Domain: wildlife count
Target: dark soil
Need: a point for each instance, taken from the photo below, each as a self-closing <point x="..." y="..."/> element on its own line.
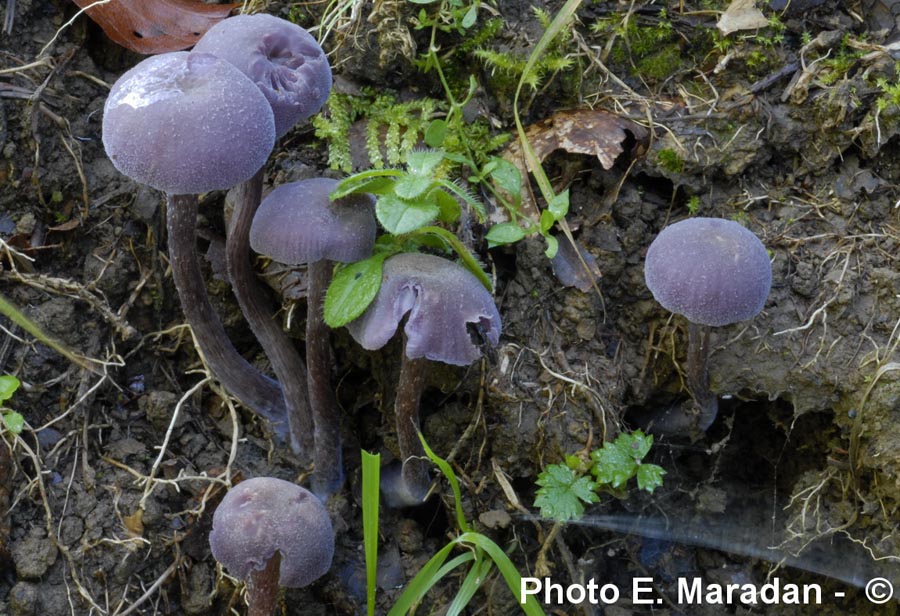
<point x="106" y="497"/>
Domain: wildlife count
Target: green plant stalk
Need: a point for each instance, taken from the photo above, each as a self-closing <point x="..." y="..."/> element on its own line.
<point x="371" y="471"/>
<point x="19" y="318"/>
<point x="459" y="248"/>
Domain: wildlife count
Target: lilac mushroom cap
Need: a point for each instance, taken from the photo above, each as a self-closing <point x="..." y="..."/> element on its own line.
<point x="187" y="123"/>
<point x="711" y="270"/>
<point x="263" y="515"/>
<point x="442" y="299"/>
<point x="281" y="58"/>
<point x="297" y="223"/>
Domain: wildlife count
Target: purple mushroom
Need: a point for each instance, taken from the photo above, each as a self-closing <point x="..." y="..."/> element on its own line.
<point x="292" y="72"/>
<point x="271" y="533"/>
<point x="713" y="272"/>
<point x="298" y="224"/>
<point x="187" y="123"/>
<point x="445" y="307"/>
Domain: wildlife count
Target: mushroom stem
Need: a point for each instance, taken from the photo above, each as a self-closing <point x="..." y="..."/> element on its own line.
<point x="286" y="361"/>
<point x="329" y="474"/>
<point x="262" y="588"/>
<point x="255" y="390"/>
<point x="411" y="486"/>
<point x="698" y="376"/>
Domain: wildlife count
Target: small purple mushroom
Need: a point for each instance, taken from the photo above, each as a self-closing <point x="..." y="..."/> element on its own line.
<point x="445" y="307"/>
<point x="298" y="224"/>
<point x="271" y="533"/>
<point x="187" y="123"/>
<point x="714" y="272"/>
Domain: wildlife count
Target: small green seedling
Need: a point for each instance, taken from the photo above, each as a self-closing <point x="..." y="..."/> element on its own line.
<point x="567" y="488"/>
<point x="12" y="421"/>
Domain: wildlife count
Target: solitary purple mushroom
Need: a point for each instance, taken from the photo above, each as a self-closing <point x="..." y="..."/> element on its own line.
<point x="714" y="272"/>
<point x="445" y="307"/>
<point x="271" y="533"/>
<point x="187" y="123"/>
<point x="292" y="72"/>
<point x="298" y="224"/>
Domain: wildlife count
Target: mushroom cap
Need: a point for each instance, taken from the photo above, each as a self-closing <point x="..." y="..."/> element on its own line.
<point x="281" y="58"/>
<point x="187" y="123"/>
<point x="297" y="223"/>
<point x="442" y="299"/>
<point x="261" y="515"/>
<point x="711" y="270"/>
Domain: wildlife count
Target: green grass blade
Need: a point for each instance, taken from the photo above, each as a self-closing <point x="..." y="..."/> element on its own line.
<point x="507" y="569"/>
<point x="474" y="579"/>
<point x="422" y="582"/>
<point x="459" y="248"/>
<point x="454" y="484"/>
<point x="371" y="471"/>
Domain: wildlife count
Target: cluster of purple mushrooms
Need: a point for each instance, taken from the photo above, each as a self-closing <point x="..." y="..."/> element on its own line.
<point x="191" y="122"/>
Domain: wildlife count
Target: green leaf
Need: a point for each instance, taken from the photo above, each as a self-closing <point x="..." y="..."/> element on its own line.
<point x="552" y="246"/>
<point x="423" y="1"/>
<point x="639" y="443"/>
<point x="399" y="216"/>
<point x="423" y="162"/>
<point x="563" y="493"/>
<point x="613" y="464"/>
<point x="469" y="19"/>
<point x="505" y="174"/>
<point x="8" y="386"/>
<point x="352" y="290"/>
<point x="504" y="233"/>
<point x="13" y="421"/>
<point x="649" y="477"/>
<point x="375" y="181"/>
<point x="547" y="221"/>
<point x="411" y="186"/>
<point x="435" y="133"/>
<point x="450" y="209"/>
<point x="559" y="204"/>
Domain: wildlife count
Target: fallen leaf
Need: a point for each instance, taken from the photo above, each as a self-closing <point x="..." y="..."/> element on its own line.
<point x="741" y="15"/>
<point x="155" y="26"/>
<point x="580" y="131"/>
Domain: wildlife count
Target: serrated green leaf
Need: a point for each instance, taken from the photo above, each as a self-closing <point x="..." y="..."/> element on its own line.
<point x="613" y="464"/>
<point x="352" y="290"/>
<point x="638" y="442"/>
<point x="399" y="216"/>
<point x="411" y="186"/>
<point x="8" y="386"/>
<point x="563" y="493"/>
<point x="423" y="162"/>
<point x="504" y="233"/>
<point x="13" y="421"/>
<point x="650" y="477"/>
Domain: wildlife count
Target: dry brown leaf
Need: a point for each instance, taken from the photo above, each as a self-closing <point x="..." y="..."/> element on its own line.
<point x="156" y="26"/>
<point x="741" y="15"/>
<point x="580" y="131"/>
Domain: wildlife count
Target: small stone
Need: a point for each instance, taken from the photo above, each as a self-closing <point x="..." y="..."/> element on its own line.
<point x="23" y="599"/>
<point x="33" y="556"/>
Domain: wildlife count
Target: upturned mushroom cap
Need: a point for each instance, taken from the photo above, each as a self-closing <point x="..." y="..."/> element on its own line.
<point x="263" y="515"/>
<point x="187" y="123"/>
<point x="281" y="58"/>
<point x="711" y="270"/>
<point x="442" y="299"/>
<point x="297" y="223"/>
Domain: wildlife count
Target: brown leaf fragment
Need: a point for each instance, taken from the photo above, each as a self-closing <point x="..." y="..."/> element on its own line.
<point x="579" y="131"/>
<point x="155" y="26"/>
<point x="741" y="15"/>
